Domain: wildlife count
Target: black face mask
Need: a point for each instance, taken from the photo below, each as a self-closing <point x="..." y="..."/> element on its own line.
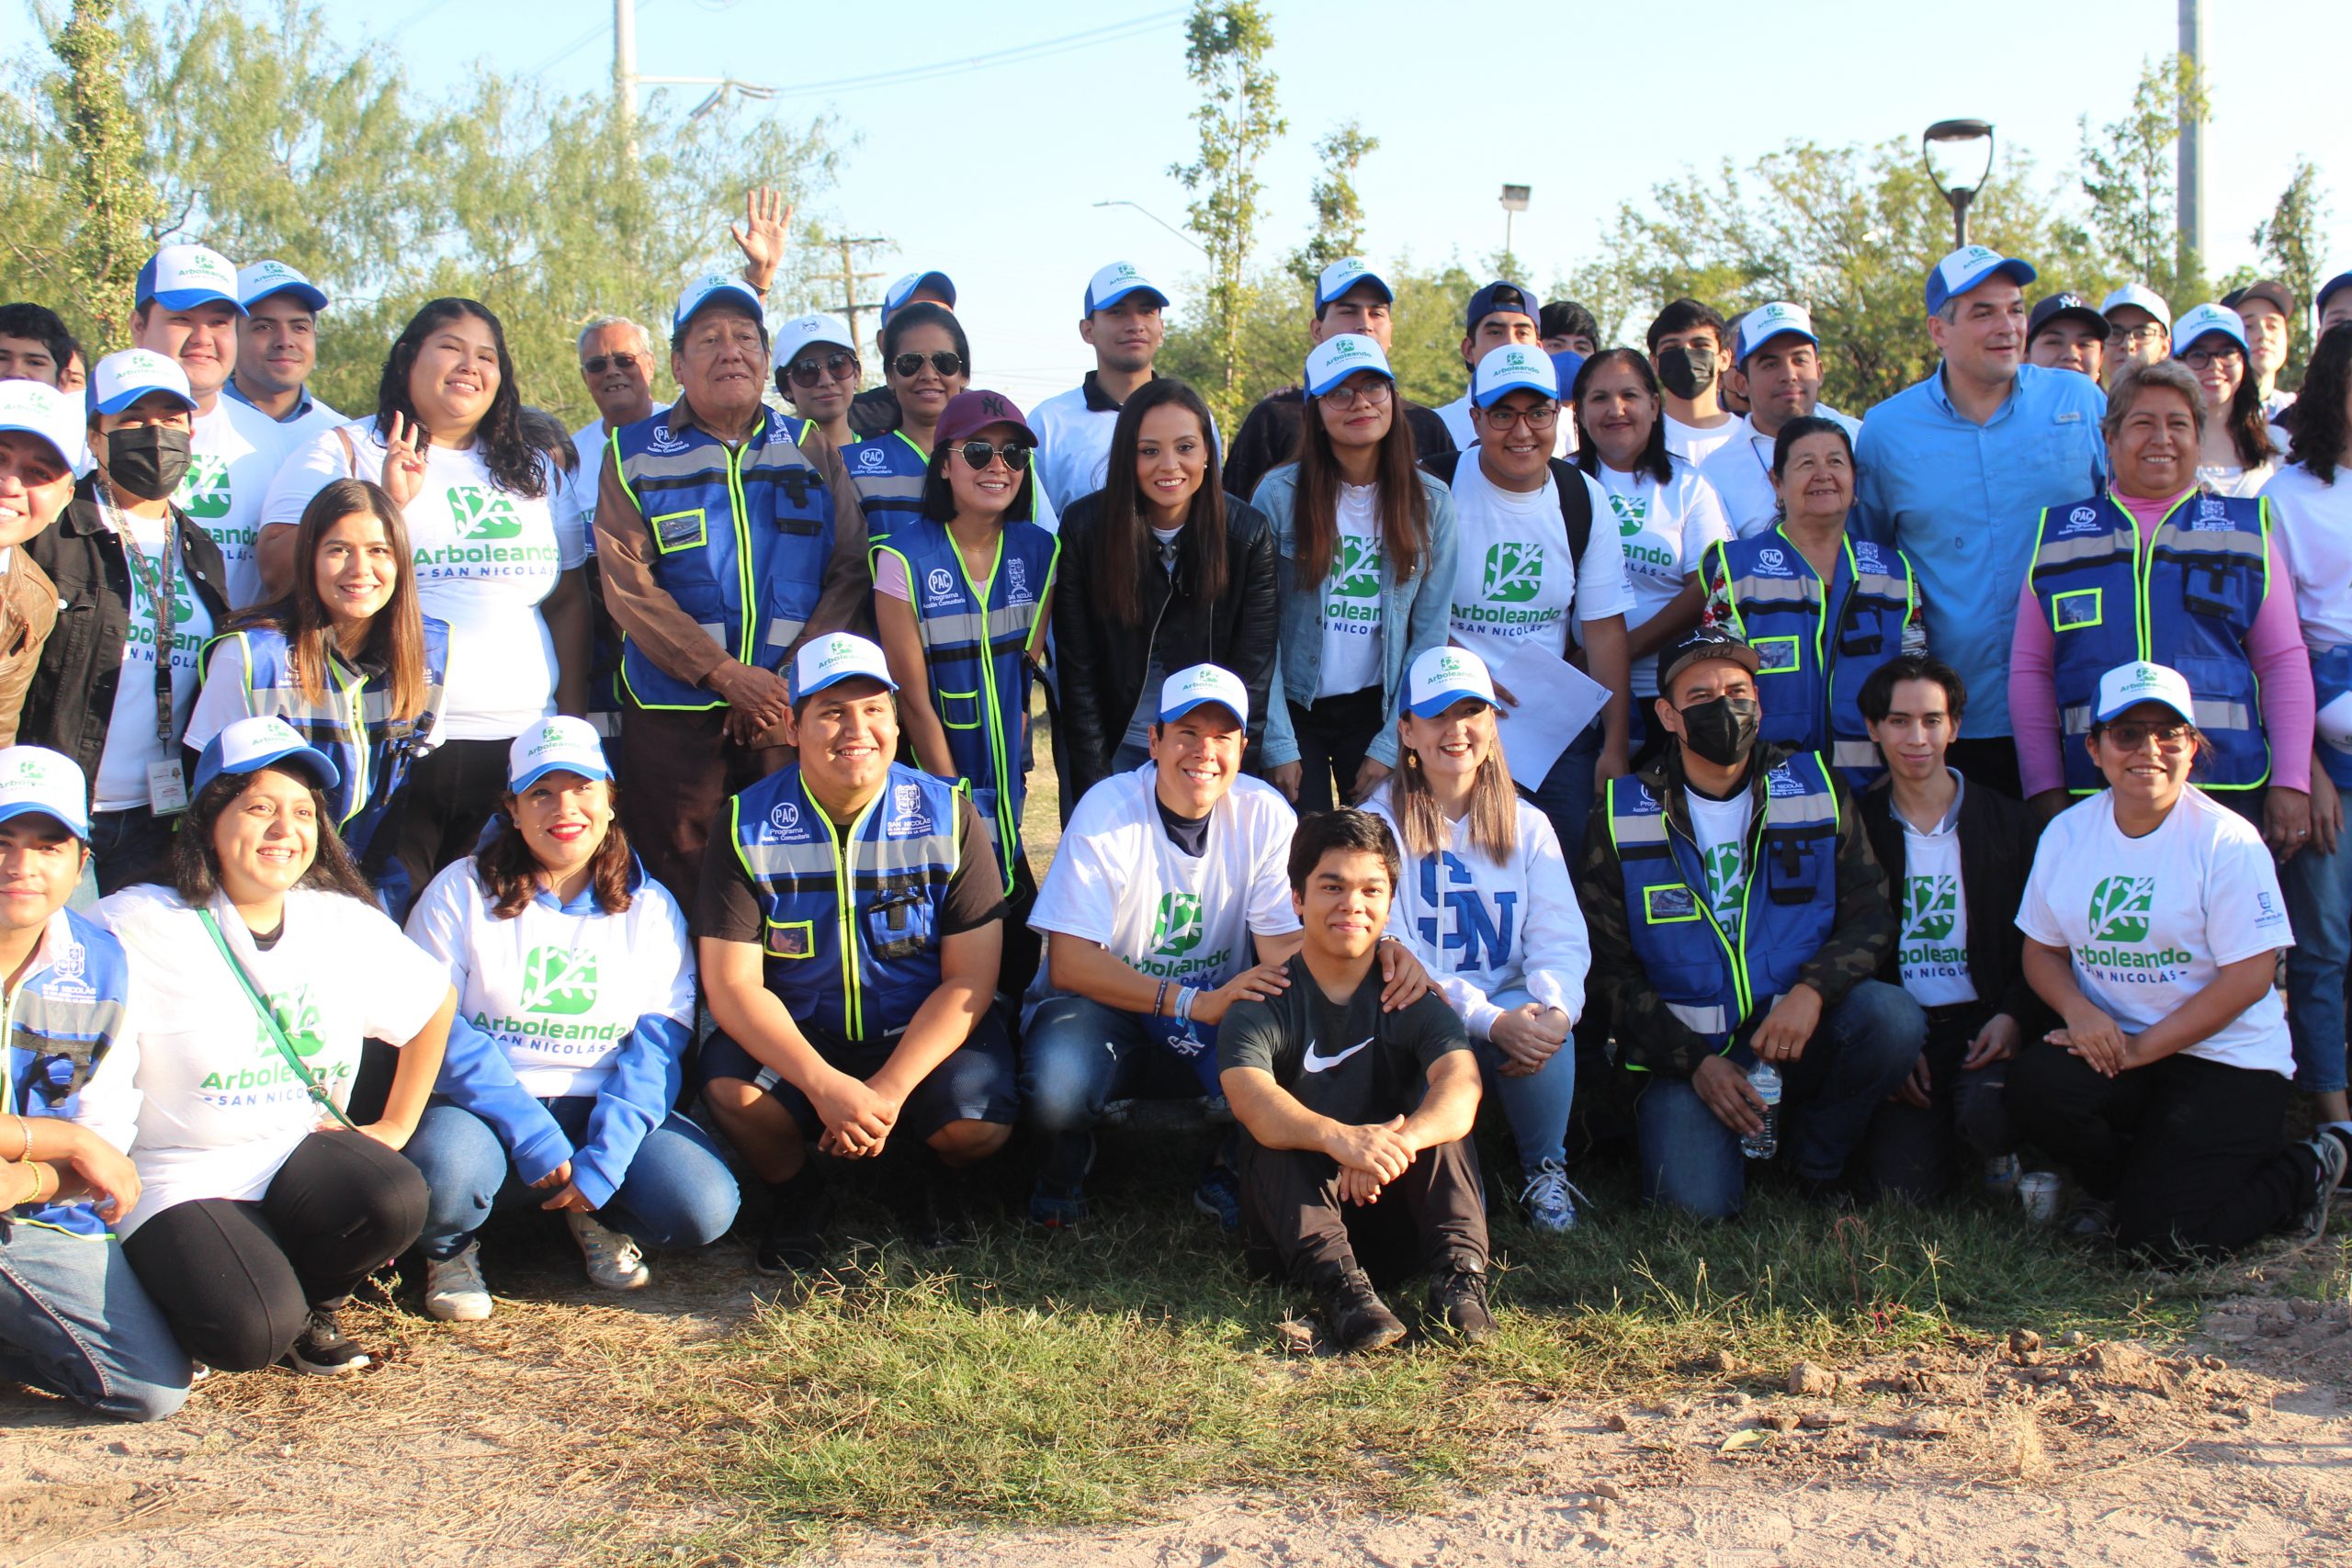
<point x="1722" y="730"/>
<point x="1687" y="372"/>
<point x="148" y="460"/>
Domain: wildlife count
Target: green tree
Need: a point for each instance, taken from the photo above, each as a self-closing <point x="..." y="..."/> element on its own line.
<point x="1226" y="46"/>
<point x="1338" y="210"/>
<point x="2293" y="240"/>
<point x="1266" y="351"/>
<point x="106" y="242"/>
<point x="2127" y="173"/>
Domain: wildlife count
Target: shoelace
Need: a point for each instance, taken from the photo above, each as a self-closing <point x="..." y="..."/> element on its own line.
<point x="1548" y="1179"/>
<point x="461" y="1275"/>
<point x="608" y="1247"/>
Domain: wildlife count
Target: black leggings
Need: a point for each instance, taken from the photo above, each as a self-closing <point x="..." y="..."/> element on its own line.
<point x="237" y="1281"/>
<point x="1333" y="738"/>
<point x="438" y="816"/>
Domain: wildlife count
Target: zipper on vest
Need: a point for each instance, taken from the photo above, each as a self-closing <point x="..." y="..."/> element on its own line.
<point x="356" y="699"/>
<point x="741" y="508"/>
<point x="1736" y="956"/>
<point x="846" y="904"/>
<point x="1007" y="828"/>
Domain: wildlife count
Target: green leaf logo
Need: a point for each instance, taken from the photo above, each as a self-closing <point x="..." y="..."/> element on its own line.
<point x="1176" y="929"/>
<point x="204" y="490"/>
<point x="2121" y="908"/>
<point x="298" y="1019"/>
<point x="1727" y="874"/>
<point x="1356" y="572"/>
<point x="554" y="981"/>
<point x="183" y="604"/>
<point x="1514" y="572"/>
<point x="1632" y="512"/>
<point x="482" y="514"/>
<point x="1932" y="908"/>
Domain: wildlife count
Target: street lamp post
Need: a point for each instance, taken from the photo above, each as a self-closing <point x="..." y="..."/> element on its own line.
<point x="1959" y="156"/>
<point x="1514" y="203"/>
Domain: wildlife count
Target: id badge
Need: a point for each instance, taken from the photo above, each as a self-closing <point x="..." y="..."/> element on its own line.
<point x="166" y="788"/>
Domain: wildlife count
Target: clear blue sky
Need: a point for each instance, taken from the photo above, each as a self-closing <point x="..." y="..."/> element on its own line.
<point x="990" y="172"/>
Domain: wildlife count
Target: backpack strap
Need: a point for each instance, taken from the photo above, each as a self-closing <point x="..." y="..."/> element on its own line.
<point x="1442" y="465"/>
<point x="1575" y="507"/>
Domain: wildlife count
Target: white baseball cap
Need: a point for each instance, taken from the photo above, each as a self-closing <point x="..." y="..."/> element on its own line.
<point x="1116" y="282"/>
<point x="124" y="376"/>
<point x="264" y="278"/>
<point x="2206" y="319"/>
<point x="895" y="297"/>
<point x="1335" y="359"/>
<point x="828" y="661"/>
<point x="557" y="745"/>
<point x="40" y="410"/>
<point x="1968" y="267"/>
<point x="179" y="276"/>
<point x="1777" y="318"/>
<point x="1513" y="367"/>
<point x="1345" y="274"/>
<point x="252" y="744"/>
<point x="1188" y="688"/>
<point x="2128" y="686"/>
<point x="1441" y="677"/>
<point x="714" y="285"/>
<point x="2139" y="294"/>
<point x="815" y="327"/>
<point x="36" y="779"/>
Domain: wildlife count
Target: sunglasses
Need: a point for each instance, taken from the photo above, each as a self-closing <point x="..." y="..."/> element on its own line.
<point x="596" y="365"/>
<point x="2170" y="735"/>
<point x="947" y="362"/>
<point x="979" y="454"/>
<point x="838" y="366"/>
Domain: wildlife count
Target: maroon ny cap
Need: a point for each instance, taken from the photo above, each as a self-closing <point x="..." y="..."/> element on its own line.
<point x="968" y="414"/>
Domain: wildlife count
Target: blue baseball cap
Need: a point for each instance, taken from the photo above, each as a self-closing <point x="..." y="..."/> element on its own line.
<point x="1116" y="282"/>
<point x="828" y="661"/>
<point x="1345" y="274"/>
<point x="124" y="376"/>
<point x="2126" y="686"/>
<point x="711" y="288"/>
<point x="38" y="409"/>
<point x="2342" y="280"/>
<point x="34" y="779"/>
<point x="1335" y="359"/>
<point x="1777" y="318"/>
<point x="252" y="744"/>
<point x="1501" y="297"/>
<point x="1513" y="367"/>
<point x="180" y="277"/>
<point x="895" y="297"/>
<point x="1202" y="684"/>
<point x="559" y="745"/>
<point x="2204" y="322"/>
<point x="264" y="278"/>
<point x="1967" y="267"/>
<point x="1442" y="676"/>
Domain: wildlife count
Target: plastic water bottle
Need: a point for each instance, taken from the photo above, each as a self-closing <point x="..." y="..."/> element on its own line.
<point x="1765" y="1079"/>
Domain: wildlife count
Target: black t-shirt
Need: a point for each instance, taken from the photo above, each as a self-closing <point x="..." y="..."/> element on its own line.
<point x="727" y="907"/>
<point x="1345" y="1060"/>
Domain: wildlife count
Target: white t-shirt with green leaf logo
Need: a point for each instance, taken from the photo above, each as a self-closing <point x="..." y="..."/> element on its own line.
<point x="1720" y="828"/>
<point x="1663" y="529"/>
<point x="1933" y="946"/>
<point x="234" y="452"/>
<point x="131" y="743"/>
<point x="2150" y="921"/>
<point x="485" y="558"/>
<point x="1351" y="596"/>
<point x="1513" y="579"/>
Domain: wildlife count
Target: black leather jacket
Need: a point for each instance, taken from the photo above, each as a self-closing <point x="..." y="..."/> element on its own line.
<point x="1102" y="662"/>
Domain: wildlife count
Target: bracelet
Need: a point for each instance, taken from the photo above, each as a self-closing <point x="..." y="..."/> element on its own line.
<point x="32" y="1194"/>
<point x="1160" y="999"/>
<point x="1185" y="995"/>
<point x="25" y="1126"/>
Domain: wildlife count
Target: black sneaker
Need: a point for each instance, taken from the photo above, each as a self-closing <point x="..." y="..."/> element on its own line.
<point x="1458" y="1299"/>
<point x="320" y="1349"/>
<point x="1358" y="1319"/>
<point x="794" y="1242"/>
<point x="2332" y="1156"/>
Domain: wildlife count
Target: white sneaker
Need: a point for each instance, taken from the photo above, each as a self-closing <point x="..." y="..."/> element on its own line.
<point x="614" y="1260"/>
<point x="453" y="1292"/>
<point x="1549" y="1200"/>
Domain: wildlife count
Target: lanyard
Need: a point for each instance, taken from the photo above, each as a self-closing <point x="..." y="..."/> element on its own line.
<point x="159" y="599"/>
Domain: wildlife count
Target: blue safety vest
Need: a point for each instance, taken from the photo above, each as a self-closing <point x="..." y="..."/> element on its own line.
<point x="2331" y="678"/>
<point x="977" y="639"/>
<point x="1713" y="981"/>
<point x="2188" y="601"/>
<point x="1817" y="644"/>
<point x="371" y="749"/>
<point x="860" y="965"/>
<point x="741" y="538"/>
<point x="887" y="473"/>
<point x="60" y="1021"/>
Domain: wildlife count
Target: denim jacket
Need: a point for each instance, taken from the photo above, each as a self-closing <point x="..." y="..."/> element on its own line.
<point x="1413" y="617"/>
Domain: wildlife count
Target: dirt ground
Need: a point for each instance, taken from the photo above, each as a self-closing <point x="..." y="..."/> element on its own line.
<point x="545" y="1435"/>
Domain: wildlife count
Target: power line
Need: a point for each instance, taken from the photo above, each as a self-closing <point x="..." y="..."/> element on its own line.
<point x="1117" y="33"/>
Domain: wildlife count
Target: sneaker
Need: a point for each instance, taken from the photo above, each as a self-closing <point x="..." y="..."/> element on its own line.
<point x="1458" y="1299"/>
<point x="453" y="1292"/>
<point x="1549" y="1200"/>
<point x="1219" y="1197"/>
<point x="615" y="1262"/>
<point x="1056" y="1207"/>
<point x="948" y="1214"/>
<point x="321" y="1350"/>
<point x="1358" y="1319"/>
<point x="799" y="1212"/>
<point x="2089" y="1220"/>
<point x="2333" y="1155"/>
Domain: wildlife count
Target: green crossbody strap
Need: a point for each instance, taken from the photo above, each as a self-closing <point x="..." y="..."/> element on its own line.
<point x="269" y="1024"/>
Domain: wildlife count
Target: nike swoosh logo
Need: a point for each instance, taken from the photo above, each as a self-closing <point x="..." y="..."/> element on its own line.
<point x="1316" y="1064"/>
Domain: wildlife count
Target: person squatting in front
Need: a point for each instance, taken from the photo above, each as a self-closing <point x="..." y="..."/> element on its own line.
<point x="850" y="930"/>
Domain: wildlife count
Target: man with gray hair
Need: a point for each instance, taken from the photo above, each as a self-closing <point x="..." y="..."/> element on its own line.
<point x="1956" y="471"/>
<point x="617" y="362"/>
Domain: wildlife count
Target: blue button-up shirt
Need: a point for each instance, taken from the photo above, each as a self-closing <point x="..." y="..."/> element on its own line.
<point x="1963" y="500"/>
<point x="303" y="401"/>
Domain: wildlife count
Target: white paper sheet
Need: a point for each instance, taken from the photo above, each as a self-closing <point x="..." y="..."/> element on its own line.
<point x="1554" y="702"/>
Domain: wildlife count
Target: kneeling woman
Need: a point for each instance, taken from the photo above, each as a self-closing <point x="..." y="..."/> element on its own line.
<point x="2154" y="922"/>
<point x="1486" y="906"/>
<point x="576" y="1005"/>
<point x="255" y="978"/>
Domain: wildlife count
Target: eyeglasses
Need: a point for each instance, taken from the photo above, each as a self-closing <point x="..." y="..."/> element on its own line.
<point x="979" y="454"/>
<point x="1372" y="395"/>
<point x="2133" y="337"/>
<point x="2201" y="358"/>
<point x="947" y="361"/>
<point x="1540" y="418"/>
<point x="2170" y="735"/>
<point x="595" y="365"/>
<point x="839" y="366"/>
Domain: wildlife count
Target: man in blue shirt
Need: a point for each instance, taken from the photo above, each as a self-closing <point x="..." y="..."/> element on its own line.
<point x="1955" y="473"/>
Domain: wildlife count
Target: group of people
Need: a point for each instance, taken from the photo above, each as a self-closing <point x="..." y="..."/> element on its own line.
<point x="409" y="816"/>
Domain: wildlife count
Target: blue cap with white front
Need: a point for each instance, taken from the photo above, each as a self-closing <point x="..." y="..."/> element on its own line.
<point x="718" y="288"/>
<point x="1188" y="688"/>
<point x="836" y="657"/>
<point x="34" y="779"/>
<point x="1116" y="282"/>
<point x="2126" y="686"/>
<point x="264" y="278"/>
<point x="1442" y="676"/>
<point x="1778" y="318"/>
<point x="121" y="379"/>
<point x="2328" y="290"/>
<point x="40" y="410"/>
<point x="1345" y="274"/>
<point x="1335" y="359"/>
<point x="899" y="294"/>
<point x="1968" y="267"/>
<point x="179" y="278"/>
<point x="2206" y="320"/>
<point x="557" y="745"/>
<point x="252" y="744"/>
<point x="1500" y="298"/>
<point x="1513" y="367"/>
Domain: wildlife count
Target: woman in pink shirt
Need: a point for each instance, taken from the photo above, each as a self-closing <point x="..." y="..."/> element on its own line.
<point x="2156" y="419"/>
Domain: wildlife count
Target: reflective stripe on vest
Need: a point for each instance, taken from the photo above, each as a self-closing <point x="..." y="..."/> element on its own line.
<point x="59" y="1024"/>
<point x="887" y="473"/>
<point x="2189" y="600"/>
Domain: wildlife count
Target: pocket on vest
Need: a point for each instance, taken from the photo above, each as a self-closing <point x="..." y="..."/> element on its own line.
<point x="960" y="710"/>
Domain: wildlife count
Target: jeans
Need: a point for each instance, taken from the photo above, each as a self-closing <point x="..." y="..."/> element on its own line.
<point x="2319" y="906"/>
<point x="1536" y="1104"/>
<point x="1296" y="1228"/>
<point x="1566" y="796"/>
<point x="678" y="1192"/>
<point x="1077" y="1057"/>
<point x="1861" y="1051"/>
<point x="1333" y="736"/>
<point x="74" y="1320"/>
<point x="130" y="847"/>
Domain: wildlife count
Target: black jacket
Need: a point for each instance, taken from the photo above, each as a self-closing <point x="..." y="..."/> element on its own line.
<point x="1997" y="841"/>
<point x="1268" y="439"/>
<point x="71" y="697"/>
<point x="1102" y="662"/>
<point x="875" y="411"/>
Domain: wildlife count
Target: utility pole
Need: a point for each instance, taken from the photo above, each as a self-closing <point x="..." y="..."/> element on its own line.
<point x="625" y="70"/>
<point x="2191" y="243"/>
<point x="849" y="277"/>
